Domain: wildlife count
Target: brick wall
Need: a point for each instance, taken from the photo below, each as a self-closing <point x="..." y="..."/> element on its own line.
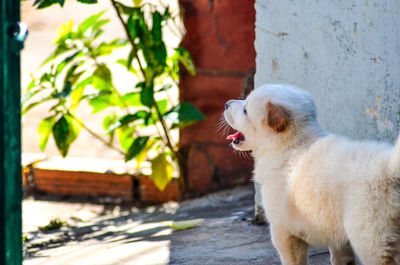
<point x="220" y="36"/>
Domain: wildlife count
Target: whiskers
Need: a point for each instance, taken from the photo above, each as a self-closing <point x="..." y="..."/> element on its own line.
<point x="242" y="154"/>
<point x="222" y="126"/>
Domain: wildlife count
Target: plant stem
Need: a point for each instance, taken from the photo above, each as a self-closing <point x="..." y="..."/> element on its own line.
<point x="95" y="134"/>
<point x="131" y="41"/>
<point x="162" y="121"/>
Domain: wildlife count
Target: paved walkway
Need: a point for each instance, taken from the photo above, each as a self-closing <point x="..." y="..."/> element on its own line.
<point x="111" y="235"/>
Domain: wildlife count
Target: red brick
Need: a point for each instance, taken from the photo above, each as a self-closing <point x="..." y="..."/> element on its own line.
<point x="200" y="171"/>
<point x="84" y="183"/>
<point x="234" y="167"/>
<point x="150" y="194"/>
<point x="220" y="34"/>
<point x="220" y="37"/>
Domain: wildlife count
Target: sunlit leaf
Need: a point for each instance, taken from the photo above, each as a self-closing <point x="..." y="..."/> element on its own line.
<point x="183" y="225"/>
<point x="29" y="95"/>
<point x="127" y="9"/>
<point x="65" y="92"/>
<point x="137" y="146"/>
<point x="44" y="131"/>
<point x="125" y="120"/>
<point x="65" y="62"/>
<point x="34" y="104"/>
<point x="137" y="2"/>
<point x="162" y="105"/>
<point x="186" y="60"/>
<point x="84" y="29"/>
<point x="103" y="101"/>
<point x="107" y="48"/>
<point x="78" y="92"/>
<point x="102" y="78"/>
<point x="125" y="136"/>
<point x="161" y="171"/>
<point x="143" y="154"/>
<point x="63" y="30"/>
<point x="184" y="114"/>
<point x="64" y="132"/>
<point x="61" y="48"/>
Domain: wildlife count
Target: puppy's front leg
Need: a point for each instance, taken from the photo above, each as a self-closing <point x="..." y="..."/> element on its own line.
<point x="342" y="256"/>
<point x="292" y="250"/>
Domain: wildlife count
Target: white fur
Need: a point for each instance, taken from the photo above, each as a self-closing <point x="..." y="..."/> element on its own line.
<point x="320" y="189"/>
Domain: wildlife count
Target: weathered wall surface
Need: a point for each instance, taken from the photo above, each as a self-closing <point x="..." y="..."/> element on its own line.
<point x="346" y="53"/>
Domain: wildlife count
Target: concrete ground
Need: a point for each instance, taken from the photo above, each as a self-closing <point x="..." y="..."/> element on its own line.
<point x="112" y="234"/>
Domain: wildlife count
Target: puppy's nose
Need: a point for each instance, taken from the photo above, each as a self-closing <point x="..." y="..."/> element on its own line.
<point x="227" y="104"/>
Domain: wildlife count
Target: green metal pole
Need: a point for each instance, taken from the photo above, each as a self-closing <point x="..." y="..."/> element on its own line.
<point x="10" y="135"/>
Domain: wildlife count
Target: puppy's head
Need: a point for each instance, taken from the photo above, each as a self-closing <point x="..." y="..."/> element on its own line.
<point x="270" y="113"/>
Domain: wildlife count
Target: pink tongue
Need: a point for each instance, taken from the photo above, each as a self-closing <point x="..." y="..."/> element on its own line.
<point x="234" y="136"/>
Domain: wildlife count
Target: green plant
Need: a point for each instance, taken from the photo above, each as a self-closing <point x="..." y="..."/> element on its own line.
<point x="52" y="225"/>
<point x="78" y="72"/>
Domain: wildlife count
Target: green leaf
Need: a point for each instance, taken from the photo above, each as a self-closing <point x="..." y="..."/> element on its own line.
<point x="34" y="104"/>
<point x="137" y="146"/>
<point x="99" y="24"/>
<point x="156" y="30"/>
<point x="34" y="82"/>
<point x="186" y="60"/>
<point x="143" y="154"/>
<point x="107" y="48"/>
<point x="78" y="92"/>
<point x="162" y="105"/>
<point x="85" y="28"/>
<point x="127" y="9"/>
<point x="44" y="131"/>
<point x="184" y="114"/>
<point x="137" y="2"/>
<point x="184" y="225"/>
<point x="131" y="99"/>
<point x="64" y="132"/>
<point x="146" y="94"/>
<point x="45" y="3"/>
<point x="61" y="48"/>
<point x="65" y="92"/>
<point x="125" y="136"/>
<point x="63" y="31"/>
<point x="161" y="171"/>
<point x="125" y="120"/>
<point x="102" y="78"/>
<point x="29" y="95"/>
<point x="103" y="101"/>
<point x="88" y="1"/>
<point x="109" y="121"/>
<point x="64" y="63"/>
<point x="130" y="60"/>
<point x="165" y="88"/>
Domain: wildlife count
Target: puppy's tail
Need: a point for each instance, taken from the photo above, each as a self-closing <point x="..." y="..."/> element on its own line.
<point x="395" y="158"/>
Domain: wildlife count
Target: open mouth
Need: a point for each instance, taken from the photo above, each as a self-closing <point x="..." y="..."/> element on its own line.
<point x="237" y="137"/>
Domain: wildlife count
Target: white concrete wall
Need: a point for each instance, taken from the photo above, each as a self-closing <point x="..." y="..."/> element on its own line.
<point x="345" y="52"/>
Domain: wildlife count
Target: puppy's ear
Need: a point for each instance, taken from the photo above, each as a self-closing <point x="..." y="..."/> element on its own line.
<point x="278" y="117"/>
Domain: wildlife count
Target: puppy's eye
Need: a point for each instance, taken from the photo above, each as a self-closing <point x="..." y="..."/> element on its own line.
<point x="245" y="111"/>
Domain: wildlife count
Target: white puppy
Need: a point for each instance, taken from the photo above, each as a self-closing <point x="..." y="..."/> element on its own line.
<point x="318" y="188"/>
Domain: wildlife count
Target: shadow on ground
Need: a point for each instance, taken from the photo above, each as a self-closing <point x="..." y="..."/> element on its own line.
<point x="226" y="236"/>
